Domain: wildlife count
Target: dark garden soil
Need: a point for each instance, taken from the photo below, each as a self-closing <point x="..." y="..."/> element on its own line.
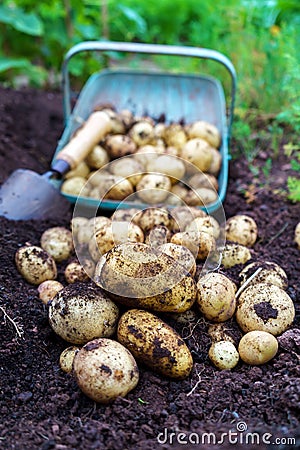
<point x="42" y="408"/>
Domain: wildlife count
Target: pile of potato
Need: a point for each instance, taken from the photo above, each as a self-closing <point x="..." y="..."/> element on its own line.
<point x="150" y="162"/>
<point x="145" y="262"/>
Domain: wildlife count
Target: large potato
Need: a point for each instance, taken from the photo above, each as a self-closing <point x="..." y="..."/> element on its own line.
<point x="35" y="264"/>
<point x="104" y="370"/>
<point x="241" y="229"/>
<point x="155" y="343"/>
<point x="138" y="275"/>
<point x="270" y="272"/>
<point x="216" y="297"/>
<point x="265" y="307"/>
<point x="81" y="312"/>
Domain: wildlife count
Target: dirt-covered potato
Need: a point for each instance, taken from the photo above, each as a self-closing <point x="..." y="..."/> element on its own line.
<point x="75" y="186"/>
<point x="183" y="215"/>
<point x="174" y="136"/>
<point x="116" y="188"/>
<point x="208" y="224"/>
<point x="257" y="347"/>
<point x="234" y="254"/>
<point x="220" y="332"/>
<point x="82" y="170"/>
<point x="35" y="264"/>
<point x="241" y="229"/>
<point x="158" y="236"/>
<point x="198" y="152"/>
<point x="155" y="343"/>
<point x="128" y="168"/>
<point x="216" y="297"/>
<point x="67" y="357"/>
<point x="118" y="145"/>
<point x="138" y="275"/>
<point x="186" y="318"/>
<point x="75" y="272"/>
<point x="297" y="235"/>
<point x="58" y="242"/>
<point x="153" y="188"/>
<point x="97" y="158"/>
<point x="206" y="131"/>
<point x="199" y="243"/>
<point x="168" y="165"/>
<point x="142" y="133"/>
<point x="265" y="307"/>
<point x="270" y="272"/>
<point x="81" y="312"/>
<point x="48" y="289"/>
<point x="125" y="215"/>
<point x="182" y="254"/>
<point x="152" y="217"/>
<point x="223" y="355"/>
<point x="203" y="180"/>
<point x="104" y="370"/>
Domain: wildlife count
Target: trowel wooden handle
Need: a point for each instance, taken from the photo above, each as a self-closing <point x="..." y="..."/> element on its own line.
<point x="94" y="129"/>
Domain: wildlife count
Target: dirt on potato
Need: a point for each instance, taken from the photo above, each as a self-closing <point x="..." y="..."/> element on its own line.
<point x="42" y="408"/>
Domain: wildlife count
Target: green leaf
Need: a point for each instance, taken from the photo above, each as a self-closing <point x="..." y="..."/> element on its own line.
<point x="295" y="165"/>
<point x="28" y="23"/>
<point x="13" y="63"/>
<point x="133" y="16"/>
<point x="293" y="184"/>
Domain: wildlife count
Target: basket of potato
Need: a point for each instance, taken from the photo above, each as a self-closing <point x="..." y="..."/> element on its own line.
<point x="168" y="136"/>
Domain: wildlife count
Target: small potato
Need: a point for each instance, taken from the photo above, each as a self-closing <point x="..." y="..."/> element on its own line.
<point x="182" y="254"/>
<point x="216" y="164"/>
<point x="35" y="264"/>
<point x="199" y="243"/>
<point x="265" y="307"/>
<point x="119" y="145"/>
<point x="206" y="131"/>
<point x="216" y="297"/>
<point x="270" y="273"/>
<point x="137" y="275"/>
<point x="203" y="180"/>
<point x="223" y="355"/>
<point x="153" y="188"/>
<point x="241" y="229"/>
<point x="126" y="117"/>
<point x="257" y="347"/>
<point x="198" y="152"/>
<point x="128" y="168"/>
<point x="82" y="170"/>
<point x="48" y="289"/>
<point x="168" y="165"/>
<point x="67" y="357"/>
<point x="82" y="312"/>
<point x="152" y="217"/>
<point x="58" y="242"/>
<point x="220" y="332"/>
<point x="75" y="272"/>
<point x="234" y="254"/>
<point x="201" y="197"/>
<point x="142" y="133"/>
<point x="75" y="186"/>
<point x="104" y="370"/>
<point x="175" y="136"/>
<point x="155" y="343"/>
<point x="97" y="158"/>
<point x="297" y="235"/>
<point x="207" y="224"/>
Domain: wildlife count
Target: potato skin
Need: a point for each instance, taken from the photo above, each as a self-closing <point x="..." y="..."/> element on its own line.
<point x="155" y="343"/>
<point x="241" y="229"/>
<point x="139" y="276"/>
<point x="257" y="347"/>
<point x="35" y="264"/>
<point x="104" y="370"/>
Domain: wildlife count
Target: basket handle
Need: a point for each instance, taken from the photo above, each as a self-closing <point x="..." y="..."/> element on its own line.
<point x="153" y="49"/>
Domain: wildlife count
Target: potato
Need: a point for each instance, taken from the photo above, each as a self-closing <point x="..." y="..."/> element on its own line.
<point x="203" y="180"/>
<point x="104" y="370"/>
<point x="297" y="235"/>
<point x="81" y="312"/>
<point x="270" y="273"/>
<point x="118" y="145"/>
<point x="265" y="307"/>
<point x="35" y="264"/>
<point x="75" y="186"/>
<point x="158" y="236"/>
<point x="125" y="215"/>
<point x="206" y="131"/>
<point x="159" y="130"/>
<point x="78" y="223"/>
<point x="234" y="254"/>
<point x="97" y="177"/>
<point x="116" y="121"/>
<point x="97" y="158"/>
<point x="241" y="229"/>
<point x="186" y="318"/>
<point x="183" y="215"/>
<point x="182" y="254"/>
<point x="216" y="297"/>
<point x="179" y="191"/>
<point x="208" y="224"/>
<point x="168" y="165"/>
<point x="152" y="217"/>
<point x="199" y="243"/>
<point x="58" y="242"/>
<point x="127" y="168"/>
<point x="257" y="347"/>
<point x="82" y="170"/>
<point x="116" y="188"/>
<point x="147" y="153"/>
<point x="198" y="152"/>
<point x="142" y="133"/>
<point x="126" y="117"/>
<point x="175" y="136"/>
<point x="223" y="355"/>
<point x="138" y="275"/>
<point x="201" y="197"/>
<point x="216" y="164"/>
<point x="75" y="272"/>
<point x="155" y="343"/>
<point x="48" y="289"/>
<point x="67" y="357"/>
<point x="220" y="332"/>
<point x="153" y="188"/>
